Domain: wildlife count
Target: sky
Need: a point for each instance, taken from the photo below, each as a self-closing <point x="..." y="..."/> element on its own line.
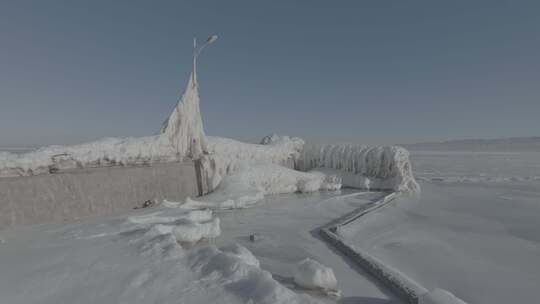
<point x="374" y="72"/>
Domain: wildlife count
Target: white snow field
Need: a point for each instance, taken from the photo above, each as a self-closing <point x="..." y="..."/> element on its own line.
<point x="134" y="259"/>
<point x="474" y="231"/>
<point x="285" y="229"/>
<point x="173" y="254"/>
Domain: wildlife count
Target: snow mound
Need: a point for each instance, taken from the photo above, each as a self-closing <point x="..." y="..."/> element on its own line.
<point x="188" y="231"/>
<point x="238" y="271"/>
<point x="439" y="296"/>
<point x="181" y="136"/>
<point x="184" y="224"/>
<point x="384" y="168"/>
<point x="313" y="275"/>
<point x="252" y="181"/>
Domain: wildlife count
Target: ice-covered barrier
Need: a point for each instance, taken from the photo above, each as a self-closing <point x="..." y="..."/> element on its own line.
<point x="439" y="296"/>
<point x="384" y="167"/>
<point x="228" y="155"/>
<point x="182" y="135"/>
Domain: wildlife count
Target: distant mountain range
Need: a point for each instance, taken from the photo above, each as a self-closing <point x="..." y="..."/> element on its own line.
<point x="513" y="144"/>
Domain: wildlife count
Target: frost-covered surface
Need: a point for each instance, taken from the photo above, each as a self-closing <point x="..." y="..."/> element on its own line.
<point x="402" y="285"/>
<point x="314" y="275"/>
<point x="138" y="258"/>
<point x="104" y="152"/>
<point x="239" y="270"/>
<point x="228" y="155"/>
<point x="363" y="167"/>
<point x="476" y="167"/>
<point x="286" y="227"/>
<point x="470" y="232"/>
<point x="181" y="136"/>
<point x="184" y="128"/>
<point x="439" y="296"/>
<point x="279" y="151"/>
<point x="251" y="181"/>
<point x="512" y="144"/>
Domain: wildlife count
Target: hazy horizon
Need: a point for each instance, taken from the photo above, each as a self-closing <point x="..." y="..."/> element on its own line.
<point x="368" y="72"/>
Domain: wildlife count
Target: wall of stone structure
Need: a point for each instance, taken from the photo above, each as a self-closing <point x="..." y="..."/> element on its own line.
<point x="72" y="194"/>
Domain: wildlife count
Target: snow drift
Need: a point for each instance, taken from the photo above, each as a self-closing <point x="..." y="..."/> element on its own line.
<point x="385" y="167"/>
<point x="184" y="224"/>
<point x="182" y="135"/>
<point x="239" y="272"/>
<point x="252" y="180"/>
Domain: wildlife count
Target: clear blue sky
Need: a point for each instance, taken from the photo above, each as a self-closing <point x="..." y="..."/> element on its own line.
<point x="363" y="71"/>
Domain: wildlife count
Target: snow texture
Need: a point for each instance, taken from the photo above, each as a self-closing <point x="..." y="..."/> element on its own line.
<point x="382" y="168"/>
<point x="252" y="180"/>
<point x="227" y="155"/>
<point x="476" y="238"/>
<point x="187" y="226"/>
<point x="184" y="127"/>
<point x="182" y="135"/>
<point x="239" y="271"/>
<point x="311" y="274"/>
<point x="402" y="285"/>
<point x="134" y="259"/>
<point x="439" y="296"/>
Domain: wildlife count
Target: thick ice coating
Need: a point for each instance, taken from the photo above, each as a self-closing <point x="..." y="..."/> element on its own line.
<point x="385" y="167"/>
<point x="228" y="155"/>
<point x="251" y="181"/>
<point x="182" y="135"/>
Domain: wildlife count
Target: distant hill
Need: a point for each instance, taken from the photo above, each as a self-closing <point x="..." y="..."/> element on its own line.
<point x="515" y="144"/>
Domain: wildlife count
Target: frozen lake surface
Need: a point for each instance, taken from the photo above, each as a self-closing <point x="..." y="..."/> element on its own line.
<point x="286" y="227"/>
<point x="475" y="231"/>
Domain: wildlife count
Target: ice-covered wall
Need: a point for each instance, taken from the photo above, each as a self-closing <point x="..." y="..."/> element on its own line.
<point x="227" y="155"/>
<point x="384" y="167"/>
<point x="182" y="135"/>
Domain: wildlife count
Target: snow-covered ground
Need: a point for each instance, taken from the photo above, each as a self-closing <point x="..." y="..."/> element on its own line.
<point x="286" y="226"/>
<point x="474" y="231"/>
<point x="146" y="256"/>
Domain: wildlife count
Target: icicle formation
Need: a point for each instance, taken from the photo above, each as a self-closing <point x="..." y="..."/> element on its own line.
<point x="184" y="127"/>
<point x="385" y="167"/>
<point x="182" y="135"/>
